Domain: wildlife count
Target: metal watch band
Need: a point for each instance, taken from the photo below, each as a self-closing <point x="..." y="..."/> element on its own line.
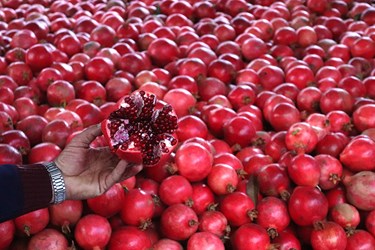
<point x="57" y="181"/>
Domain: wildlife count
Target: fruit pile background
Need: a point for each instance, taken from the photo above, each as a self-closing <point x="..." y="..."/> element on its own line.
<point x="275" y="105"/>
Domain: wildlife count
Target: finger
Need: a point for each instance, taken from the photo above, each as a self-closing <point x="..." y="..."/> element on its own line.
<point x="118" y="172"/>
<point x="131" y="171"/>
<point x="84" y="138"/>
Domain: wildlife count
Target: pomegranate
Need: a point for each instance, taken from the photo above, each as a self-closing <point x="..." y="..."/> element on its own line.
<point x="66" y="214"/>
<point x="360" y="239"/>
<point x="92" y="232"/>
<point x="358" y="154"/>
<point x="49" y="239"/>
<point x="141" y="129"/>
<point x="7" y="231"/>
<point x="32" y="222"/>
<point x="307" y="205"/>
<point x="108" y="203"/>
<point x="345" y="215"/>
<point x="360" y="190"/>
<point x="205" y="240"/>
<point x="328" y="235"/>
<point x="259" y="237"/>
<point x="129" y="237"/>
<point x="179" y="222"/>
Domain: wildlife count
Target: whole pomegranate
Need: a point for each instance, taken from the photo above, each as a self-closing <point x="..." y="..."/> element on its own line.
<point x="360" y="190"/>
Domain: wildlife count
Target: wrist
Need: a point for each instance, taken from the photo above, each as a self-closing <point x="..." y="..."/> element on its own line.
<point x="57" y="183"/>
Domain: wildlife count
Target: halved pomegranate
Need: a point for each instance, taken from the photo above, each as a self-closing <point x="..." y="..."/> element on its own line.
<point x="141" y="129"/>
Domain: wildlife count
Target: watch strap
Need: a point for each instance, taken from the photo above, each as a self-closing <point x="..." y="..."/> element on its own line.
<point x="57" y="181"/>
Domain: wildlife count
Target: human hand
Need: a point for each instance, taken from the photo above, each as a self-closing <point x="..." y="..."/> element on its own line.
<point x="89" y="172"/>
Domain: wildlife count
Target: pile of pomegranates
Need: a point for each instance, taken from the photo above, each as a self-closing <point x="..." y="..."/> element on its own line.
<point x="254" y="120"/>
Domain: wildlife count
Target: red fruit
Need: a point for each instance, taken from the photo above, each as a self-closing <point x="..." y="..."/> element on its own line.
<point x="345" y="215"/>
<point x="217" y="117"/>
<point x="92" y="232"/>
<point x="108" y="203"/>
<point x="92" y="91"/>
<point x="328" y="235"/>
<point x="301" y="138"/>
<point x="99" y="69"/>
<point x="66" y="214"/>
<point x="283" y="115"/>
<point x="253" y="48"/>
<point x="358" y="154"/>
<point x="179" y="222"/>
<point x="238" y="208"/>
<point x="33" y="127"/>
<point x="25" y="107"/>
<point x="304" y="170"/>
<point x="137" y="208"/>
<point x="362" y="117"/>
<point x="331" y="171"/>
<point x="163" y="51"/>
<point x="49" y="239"/>
<point x="205" y="240"/>
<point x="129" y="237"/>
<point x="175" y="189"/>
<point x="20" y="72"/>
<point x="32" y="222"/>
<point x="222" y="179"/>
<point x="211" y="86"/>
<point x="181" y="100"/>
<point x="38" y="57"/>
<point x="214" y="222"/>
<point x="336" y="99"/>
<point x="7" y="231"/>
<point x="307" y="205"/>
<point x="196" y="155"/>
<point x="116" y="88"/>
<point x="153" y="138"/>
<point x="6" y="122"/>
<point x="9" y="154"/>
<point x="272" y="215"/>
<point x="287" y="240"/>
<point x="6" y="95"/>
<point x="370" y="222"/>
<point x="301" y="76"/>
<point x="57" y="132"/>
<point x="360" y="190"/>
<point x="273" y="180"/>
<point x="43" y="152"/>
<point x="240" y="239"/>
<point x="89" y="113"/>
<point x="190" y="126"/>
<point x="167" y="244"/>
<point x="360" y="239"/>
<point x="202" y="198"/>
<point x="238" y="131"/>
<point x="59" y="93"/>
<point x="48" y="76"/>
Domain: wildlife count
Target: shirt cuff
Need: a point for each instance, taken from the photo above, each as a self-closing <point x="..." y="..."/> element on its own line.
<point x="36" y="186"/>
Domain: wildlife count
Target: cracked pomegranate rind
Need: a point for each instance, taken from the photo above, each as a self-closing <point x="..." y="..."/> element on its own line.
<point x="141" y="129"/>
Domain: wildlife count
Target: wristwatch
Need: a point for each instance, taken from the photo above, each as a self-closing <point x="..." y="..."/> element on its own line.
<point x="57" y="181"/>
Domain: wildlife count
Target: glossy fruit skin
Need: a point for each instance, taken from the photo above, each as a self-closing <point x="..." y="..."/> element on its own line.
<point x="32" y="222"/>
<point x="66" y="214"/>
<point x="196" y="155"/>
<point x="301" y="138"/>
<point x="241" y="241"/>
<point x="92" y="231"/>
<point x="360" y="239"/>
<point x="129" y="237"/>
<point x="140" y="201"/>
<point x="304" y="170"/>
<point x="178" y="222"/>
<point x="272" y="215"/>
<point x="48" y="239"/>
<point x="307" y="205"/>
<point x="238" y="208"/>
<point x="328" y="235"/>
<point x="357" y="153"/>
<point x="108" y="203"/>
<point x="205" y="240"/>
<point x="7" y="231"/>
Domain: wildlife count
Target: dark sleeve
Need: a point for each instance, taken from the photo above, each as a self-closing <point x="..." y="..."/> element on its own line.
<point x="23" y="189"/>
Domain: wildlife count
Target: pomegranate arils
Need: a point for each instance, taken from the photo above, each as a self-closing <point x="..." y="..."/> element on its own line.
<point x="142" y="124"/>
